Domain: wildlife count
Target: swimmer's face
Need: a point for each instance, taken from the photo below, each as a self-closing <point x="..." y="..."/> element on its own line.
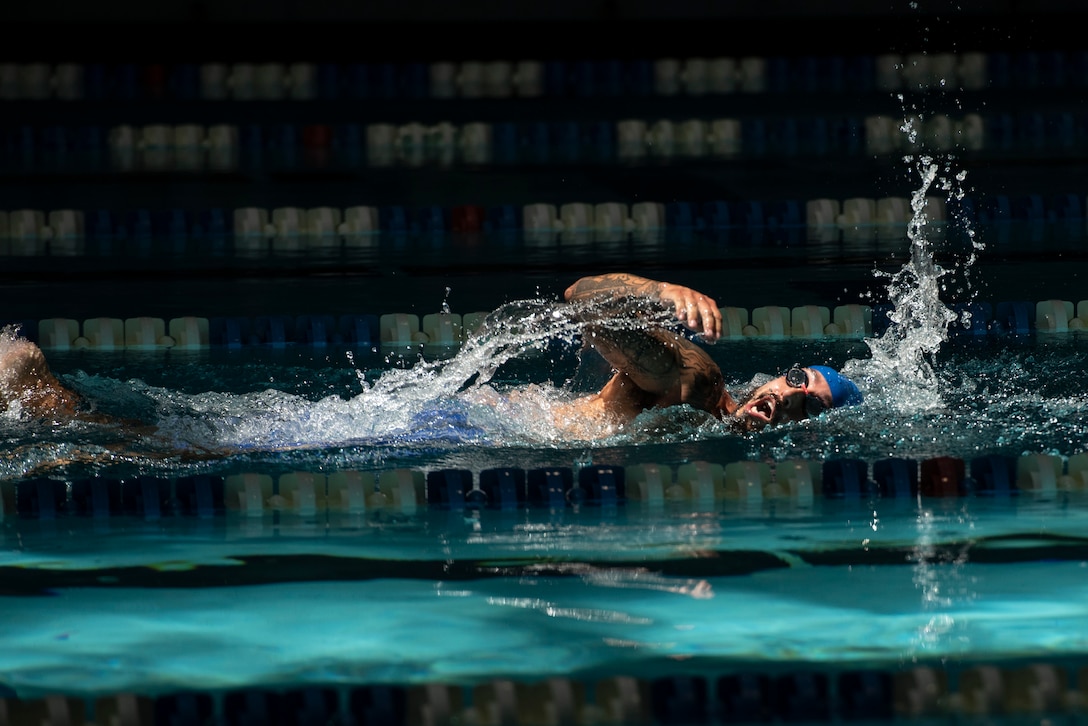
<point x="777" y="401"/>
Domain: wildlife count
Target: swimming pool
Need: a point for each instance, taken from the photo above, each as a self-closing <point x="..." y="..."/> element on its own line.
<point x="341" y="530"/>
<point x="392" y="538"/>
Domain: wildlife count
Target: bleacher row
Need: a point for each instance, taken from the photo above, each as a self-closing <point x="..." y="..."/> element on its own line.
<point x="548" y="78"/>
<point x="701" y="483"/>
<point x="257" y="230"/>
<point x="286" y="147"/>
<point x="1028" y="691"/>
<point x="439" y="335"/>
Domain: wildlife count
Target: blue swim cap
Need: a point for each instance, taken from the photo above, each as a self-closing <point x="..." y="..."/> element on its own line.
<point x="844" y="392"/>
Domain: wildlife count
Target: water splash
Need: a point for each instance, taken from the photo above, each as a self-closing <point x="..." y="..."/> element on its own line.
<point x="443" y="403"/>
<point x="902" y="367"/>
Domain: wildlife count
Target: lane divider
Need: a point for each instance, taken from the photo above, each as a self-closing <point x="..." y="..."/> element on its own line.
<point x="301" y="81"/>
<point x="714" y="694"/>
<point x="440" y="335"/>
<point x="700" y="483"/>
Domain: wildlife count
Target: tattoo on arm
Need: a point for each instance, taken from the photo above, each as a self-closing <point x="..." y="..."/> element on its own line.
<point x="650" y="358"/>
<point x="611" y="287"/>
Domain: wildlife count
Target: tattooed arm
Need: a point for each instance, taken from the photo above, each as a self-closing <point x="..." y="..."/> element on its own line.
<point x="697" y="311"/>
<point x="658" y="361"/>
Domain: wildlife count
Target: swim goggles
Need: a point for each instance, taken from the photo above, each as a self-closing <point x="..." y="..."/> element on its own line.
<point x="797" y="377"/>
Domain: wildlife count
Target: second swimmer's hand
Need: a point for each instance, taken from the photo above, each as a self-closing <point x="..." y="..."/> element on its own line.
<point x="694" y="309"/>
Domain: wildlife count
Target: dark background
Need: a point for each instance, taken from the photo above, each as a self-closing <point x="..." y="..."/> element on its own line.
<point x="151" y="34"/>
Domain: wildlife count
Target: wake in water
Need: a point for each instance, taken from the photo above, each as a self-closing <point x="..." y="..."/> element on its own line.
<point x="917" y="405"/>
<point x="430" y="406"/>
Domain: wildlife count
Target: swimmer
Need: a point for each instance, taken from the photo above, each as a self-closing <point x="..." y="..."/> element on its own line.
<point x="657" y="368"/>
<point x="27" y="383"/>
<point x="653" y="368"/>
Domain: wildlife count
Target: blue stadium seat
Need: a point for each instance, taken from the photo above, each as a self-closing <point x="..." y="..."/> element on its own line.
<point x="600" y="142"/>
<point x="680" y="700"/>
<point x="448" y="488"/>
<point x="996" y="209"/>
<point x="754" y="138"/>
<point x="89" y="148"/>
<point x="780" y="73"/>
<point x="95" y="82"/>
<point x="814" y="136"/>
<point x="251" y="146"/>
<point x="328" y="82"/>
<point x="170" y="226"/>
<point x="348" y="145"/>
<point x="282" y="144"/>
<point x="846" y="479"/>
<point x="1065" y="208"/>
<point x="124" y="82"/>
<point x="184" y="82"/>
<point x="100" y="231"/>
<point x="395" y="221"/>
<point x="1031" y="131"/>
<point x="981" y="318"/>
<point x="610" y="78"/>
<point x="378" y="704"/>
<point x="555" y="79"/>
<point x="230" y="332"/>
<point x="355" y="82"/>
<point x="896" y="478"/>
<point x="639" y="76"/>
<point x="273" y="330"/>
<point x="200" y="495"/>
<point x="716" y="215"/>
<point x="535" y="142"/>
<point x="41" y="498"/>
<point x="1028" y="208"/>
<point x="999" y="70"/>
<point x="210" y="226"/>
<point x="316" y="330"/>
<point x="431" y="220"/>
<point x="359" y="330"/>
<point x="681" y="216"/>
<point x="993" y="475"/>
<point x="802" y="697"/>
<point x="98" y="497"/>
<point x="146" y="496"/>
<point x="549" y="487"/>
<point x="505" y="487"/>
<point x="1014" y="318"/>
<point x="847" y="135"/>
<point x="583" y="79"/>
<point x="504" y="144"/>
<point x="566" y="139"/>
<point x="866" y="696"/>
<point x="504" y="219"/>
<point x="311" y="706"/>
<point x="184" y="709"/>
<point x="415" y="80"/>
<point x="603" y="485"/>
<point x="244" y="708"/>
<point x="1000" y="129"/>
<point x="745" y="698"/>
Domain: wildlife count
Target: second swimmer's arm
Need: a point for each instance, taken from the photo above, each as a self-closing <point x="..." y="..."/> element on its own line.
<point x="697" y="311"/>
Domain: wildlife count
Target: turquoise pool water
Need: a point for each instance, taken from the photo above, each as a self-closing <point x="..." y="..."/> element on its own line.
<point x="99" y="607"/>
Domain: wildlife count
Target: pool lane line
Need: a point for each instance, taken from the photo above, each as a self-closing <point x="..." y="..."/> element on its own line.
<point x="252" y="570"/>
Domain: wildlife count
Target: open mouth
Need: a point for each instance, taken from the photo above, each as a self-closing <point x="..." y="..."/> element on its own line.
<point x="763" y="408"/>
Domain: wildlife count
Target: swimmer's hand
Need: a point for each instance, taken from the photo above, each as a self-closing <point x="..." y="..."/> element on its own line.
<point x="694" y="309"/>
